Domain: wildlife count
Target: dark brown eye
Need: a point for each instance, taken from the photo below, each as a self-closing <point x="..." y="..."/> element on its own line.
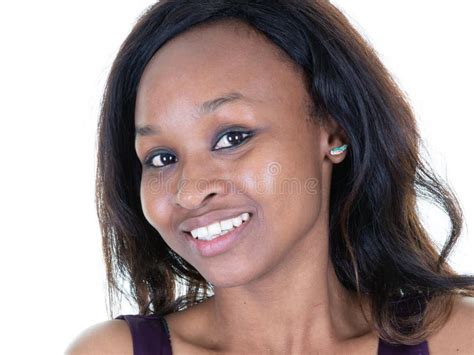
<point x="231" y="139"/>
<point x="160" y="160"/>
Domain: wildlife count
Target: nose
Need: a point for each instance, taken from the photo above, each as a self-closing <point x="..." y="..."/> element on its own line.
<point x="198" y="184"/>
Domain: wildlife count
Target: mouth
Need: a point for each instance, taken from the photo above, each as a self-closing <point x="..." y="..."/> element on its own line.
<point x="219" y="244"/>
<point x="223" y="232"/>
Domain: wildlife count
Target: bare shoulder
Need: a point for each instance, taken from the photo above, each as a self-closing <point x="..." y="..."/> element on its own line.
<point x="109" y="337"/>
<point x="457" y="335"/>
<point x="190" y="330"/>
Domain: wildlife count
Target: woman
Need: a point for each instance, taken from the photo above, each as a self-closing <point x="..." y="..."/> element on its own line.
<point x="258" y="154"/>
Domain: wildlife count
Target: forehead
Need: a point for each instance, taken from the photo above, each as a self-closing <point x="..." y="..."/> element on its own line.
<point x="212" y="59"/>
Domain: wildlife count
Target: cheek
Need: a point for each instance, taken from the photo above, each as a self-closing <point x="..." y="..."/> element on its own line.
<point x="282" y="175"/>
<point x="154" y="200"/>
<point x="286" y="186"/>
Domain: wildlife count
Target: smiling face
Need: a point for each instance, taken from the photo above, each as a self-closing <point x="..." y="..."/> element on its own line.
<point x="251" y="150"/>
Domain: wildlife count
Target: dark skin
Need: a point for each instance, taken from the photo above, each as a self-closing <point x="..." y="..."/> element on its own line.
<point x="251" y="310"/>
<point x="275" y="291"/>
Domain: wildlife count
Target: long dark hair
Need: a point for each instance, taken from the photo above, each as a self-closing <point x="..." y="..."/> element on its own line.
<point x="378" y="245"/>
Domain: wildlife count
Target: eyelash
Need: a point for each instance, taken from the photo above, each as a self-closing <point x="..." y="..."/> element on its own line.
<point x="246" y="136"/>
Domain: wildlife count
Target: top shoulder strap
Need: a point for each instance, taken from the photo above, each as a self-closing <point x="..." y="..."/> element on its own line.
<point x="150" y="334"/>
<point x="393" y="349"/>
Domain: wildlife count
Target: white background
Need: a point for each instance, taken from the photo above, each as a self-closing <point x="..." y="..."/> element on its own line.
<point x="55" y="56"/>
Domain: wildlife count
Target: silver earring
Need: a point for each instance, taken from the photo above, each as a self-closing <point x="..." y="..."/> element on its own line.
<point x="338" y="150"/>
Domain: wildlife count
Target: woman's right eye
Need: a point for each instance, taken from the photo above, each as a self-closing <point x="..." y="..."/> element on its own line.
<point x="160" y="160"/>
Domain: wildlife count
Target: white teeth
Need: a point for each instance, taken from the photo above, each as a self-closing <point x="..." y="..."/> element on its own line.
<point x="200" y="233"/>
<point x="227" y="224"/>
<point x="237" y="221"/>
<point x="217" y="229"/>
<point x="214" y="228"/>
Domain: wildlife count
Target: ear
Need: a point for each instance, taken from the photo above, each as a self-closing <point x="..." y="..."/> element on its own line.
<point x="334" y="137"/>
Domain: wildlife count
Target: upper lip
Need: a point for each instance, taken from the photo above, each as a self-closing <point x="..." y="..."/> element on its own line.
<point x="215" y="216"/>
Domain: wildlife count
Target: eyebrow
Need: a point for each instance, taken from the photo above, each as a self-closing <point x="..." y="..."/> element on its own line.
<point x="206" y="108"/>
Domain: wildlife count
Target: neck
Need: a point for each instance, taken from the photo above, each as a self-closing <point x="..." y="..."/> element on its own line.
<point x="297" y="307"/>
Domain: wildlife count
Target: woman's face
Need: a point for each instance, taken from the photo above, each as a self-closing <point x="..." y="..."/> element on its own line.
<point x="277" y="172"/>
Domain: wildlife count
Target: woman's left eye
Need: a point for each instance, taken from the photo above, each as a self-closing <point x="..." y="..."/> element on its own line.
<point x="232" y="139"/>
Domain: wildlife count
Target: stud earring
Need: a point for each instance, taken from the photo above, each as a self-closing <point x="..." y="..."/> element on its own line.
<point x="338" y="150"/>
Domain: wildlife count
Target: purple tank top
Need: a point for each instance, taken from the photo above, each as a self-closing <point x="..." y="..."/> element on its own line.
<point x="150" y="336"/>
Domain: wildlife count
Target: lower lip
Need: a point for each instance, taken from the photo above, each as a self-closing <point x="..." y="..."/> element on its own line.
<point x="219" y="245"/>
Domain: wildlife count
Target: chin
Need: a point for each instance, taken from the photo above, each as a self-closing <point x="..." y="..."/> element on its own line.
<point x="221" y="278"/>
